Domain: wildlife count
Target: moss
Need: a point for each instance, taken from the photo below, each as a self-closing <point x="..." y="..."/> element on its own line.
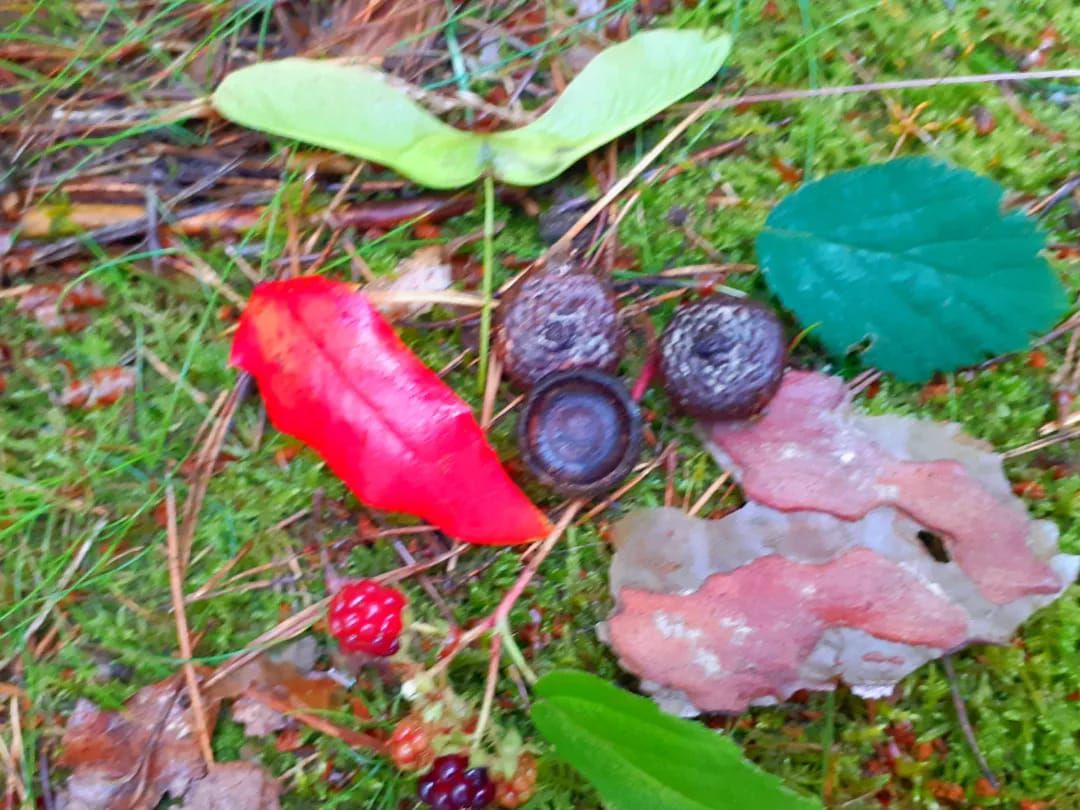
<point x="116" y="618"/>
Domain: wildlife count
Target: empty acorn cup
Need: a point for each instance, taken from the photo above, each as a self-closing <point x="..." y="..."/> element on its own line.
<point x="579" y="432"/>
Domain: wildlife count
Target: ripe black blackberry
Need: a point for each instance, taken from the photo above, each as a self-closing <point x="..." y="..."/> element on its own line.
<point x="452" y="785"/>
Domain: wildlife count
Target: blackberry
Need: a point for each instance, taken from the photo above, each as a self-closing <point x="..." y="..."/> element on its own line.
<point x="452" y="785"/>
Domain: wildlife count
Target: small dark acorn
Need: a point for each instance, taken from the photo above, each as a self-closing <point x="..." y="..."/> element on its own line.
<point x="558" y="319"/>
<point x="722" y="357"/>
<point x="579" y="432"/>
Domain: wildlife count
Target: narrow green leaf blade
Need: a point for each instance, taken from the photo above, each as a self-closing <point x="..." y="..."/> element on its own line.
<point x="354" y="110"/>
<point x="917" y="256"/>
<point x="641" y="759"/>
<point x="620" y="88"/>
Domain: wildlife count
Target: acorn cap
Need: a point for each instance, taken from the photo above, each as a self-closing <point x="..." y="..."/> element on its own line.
<point x="579" y="432"/>
<point x="560" y="318"/>
<point x="722" y="357"/>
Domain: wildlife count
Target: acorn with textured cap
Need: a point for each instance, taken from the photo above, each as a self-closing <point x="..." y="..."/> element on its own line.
<point x="722" y="357"/>
<point x="560" y="318"/>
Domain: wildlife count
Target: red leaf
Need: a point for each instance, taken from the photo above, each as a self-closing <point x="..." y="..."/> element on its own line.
<point x="335" y="375"/>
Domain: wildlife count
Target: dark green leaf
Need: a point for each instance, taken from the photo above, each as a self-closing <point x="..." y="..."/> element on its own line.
<point x="918" y="257"/>
<point x="641" y="759"/>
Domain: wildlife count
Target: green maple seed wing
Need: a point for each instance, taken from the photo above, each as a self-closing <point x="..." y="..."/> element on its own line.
<point x="620" y="88"/>
<point x="351" y="109"/>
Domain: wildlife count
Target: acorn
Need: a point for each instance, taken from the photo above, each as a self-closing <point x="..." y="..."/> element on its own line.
<point x="579" y="432"/>
<point x="722" y="357"/>
<point x="560" y="318"/>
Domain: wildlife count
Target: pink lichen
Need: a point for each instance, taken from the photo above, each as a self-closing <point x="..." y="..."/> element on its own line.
<point x="809" y="451"/>
<point x="825" y="575"/>
<point x="744" y="636"/>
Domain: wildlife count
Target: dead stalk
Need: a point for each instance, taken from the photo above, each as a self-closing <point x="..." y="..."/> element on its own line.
<point x="183" y="634"/>
<point x="502" y="611"/>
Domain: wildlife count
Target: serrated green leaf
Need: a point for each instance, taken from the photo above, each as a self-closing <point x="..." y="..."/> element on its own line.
<point x="620" y="88"/>
<point x="641" y="759"/>
<point x="918" y="257"/>
<point x="354" y="110"/>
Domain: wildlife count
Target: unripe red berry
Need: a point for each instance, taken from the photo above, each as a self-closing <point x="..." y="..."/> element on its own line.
<point x="366" y="617"/>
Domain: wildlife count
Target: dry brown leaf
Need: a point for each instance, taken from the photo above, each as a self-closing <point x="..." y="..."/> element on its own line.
<point x="427" y="270"/>
<point x="44" y="302"/>
<point x="128" y="760"/>
<point x="44" y="221"/>
<point x="665" y="552"/>
<point x="810" y="451"/>
<point x="103" y="386"/>
<point x="283" y="680"/>
<point x="234" y="786"/>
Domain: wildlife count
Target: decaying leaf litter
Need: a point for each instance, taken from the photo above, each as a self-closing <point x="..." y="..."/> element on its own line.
<point x="877" y="756"/>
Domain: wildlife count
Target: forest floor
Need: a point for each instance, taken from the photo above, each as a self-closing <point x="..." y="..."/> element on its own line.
<point x="85" y="604"/>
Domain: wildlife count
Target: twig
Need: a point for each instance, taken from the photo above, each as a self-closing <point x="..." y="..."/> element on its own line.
<point x="16" y="292"/>
<point x="354" y="739"/>
<point x="713" y="488"/>
<point x="898" y="84"/>
<point x="506" y="604"/>
<point x="827" y="736"/>
<point x="425" y="581"/>
<point x="162" y="368"/>
<point x="713" y="105"/>
<point x="965" y="722"/>
<point x="16" y="754"/>
<point x="488" y="279"/>
<point x="204" y="467"/>
<point x="489" y="691"/>
<point x="451" y="297"/>
<point x="1042" y="207"/>
<point x="291" y="627"/>
<point x="505" y="410"/>
<point x="43" y="773"/>
<point x="199" y="270"/>
<point x="220" y="574"/>
<point x="491" y="391"/>
<point x="629" y="485"/>
<point x="863" y="381"/>
<point x="183" y="635"/>
<point x="1042" y="444"/>
<point x="565" y="242"/>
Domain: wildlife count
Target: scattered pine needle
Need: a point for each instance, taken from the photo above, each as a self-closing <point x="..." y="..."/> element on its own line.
<point x="176" y="588"/>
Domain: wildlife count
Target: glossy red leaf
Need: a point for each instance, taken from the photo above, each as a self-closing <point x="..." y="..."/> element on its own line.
<point x="333" y="373"/>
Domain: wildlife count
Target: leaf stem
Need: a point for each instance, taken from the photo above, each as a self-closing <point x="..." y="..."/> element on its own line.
<point x="502" y="627"/>
<point x="827" y="736"/>
<point x="489" y="275"/>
